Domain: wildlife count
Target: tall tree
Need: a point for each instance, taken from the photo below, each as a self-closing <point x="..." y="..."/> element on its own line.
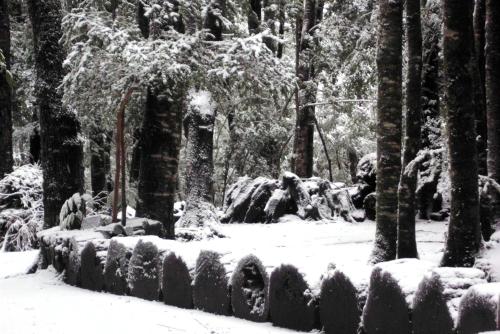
<point x="61" y="146"/>
<point x="270" y="13"/>
<point x="431" y="31"/>
<point x="303" y="147"/>
<point x="479" y="83"/>
<point x="281" y="29"/>
<point x="493" y="86"/>
<point x="160" y="141"/>
<point x="100" y="151"/>
<point x="464" y="234"/>
<point x="6" y="158"/>
<point x="199" y="131"/>
<point x="406" y="244"/>
<point x="389" y="119"/>
<point x="254" y="16"/>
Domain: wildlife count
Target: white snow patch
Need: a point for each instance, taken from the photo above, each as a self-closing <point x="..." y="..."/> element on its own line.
<point x="408" y="273"/>
<point x="42" y="304"/>
<point x="202" y="99"/>
<point x="16" y="263"/>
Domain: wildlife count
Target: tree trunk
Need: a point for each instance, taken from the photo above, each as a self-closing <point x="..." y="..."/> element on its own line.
<point x="407" y="245"/>
<point x="160" y="146"/>
<point x="35" y="142"/>
<point x="353" y="163"/>
<point x="464" y="234"/>
<point x="98" y="172"/>
<point x="59" y="128"/>
<point x="479" y="84"/>
<point x="270" y="22"/>
<point x="431" y="127"/>
<point x="254" y="16"/>
<point x="198" y="125"/>
<point x="303" y="148"/>
<point x="6" y="157"/>
<point x="281" y="29"/>
<point x="493" y="86"/>
<point x="135" y="164"/>
<point x="389" y="114"/>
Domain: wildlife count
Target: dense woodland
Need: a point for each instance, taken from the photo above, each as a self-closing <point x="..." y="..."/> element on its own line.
<point x="145" y="103"/>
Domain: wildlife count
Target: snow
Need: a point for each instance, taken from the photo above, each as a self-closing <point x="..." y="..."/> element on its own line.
<point x="16" y="263"/>
<point x="38" y="303"/>
<point x="202" y="99"/>
<point x="310" y="246"/>
<point x="408" y="273"/>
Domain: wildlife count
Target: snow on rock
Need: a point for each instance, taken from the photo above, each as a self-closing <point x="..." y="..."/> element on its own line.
<point x="250" y="290"/>
<point x="199" y="222"/>
<point x="338" y="304"/>
<point x="266" y="200"/>
<point x="408" y="273"/>
<point x="489" y="258"/>
<point x="479" y="309"/>
<point x="430" y="313"/>
<point x="456" y="282"/>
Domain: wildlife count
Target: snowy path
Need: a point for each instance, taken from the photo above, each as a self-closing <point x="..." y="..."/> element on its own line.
<point x="42" y="304"/>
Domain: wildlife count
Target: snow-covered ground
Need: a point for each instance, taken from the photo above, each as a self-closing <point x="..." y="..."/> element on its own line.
<point x="42" y="304"/>
<point x="310" y="246"/>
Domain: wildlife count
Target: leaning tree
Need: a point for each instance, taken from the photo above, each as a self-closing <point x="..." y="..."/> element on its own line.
<point x="61" y="145"/>
<point x="464" y="234"/>
<point x="389" y="119"/>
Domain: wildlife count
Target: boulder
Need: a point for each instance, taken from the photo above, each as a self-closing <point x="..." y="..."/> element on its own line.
<point x="143" y="273"/>
<point x="291" y="301"/>
<point x="250" y="290"/>
<point x="177" y="282"/>
<point x="370" y="206"/>
<point x="211" y="292"/>
<point x="338" y="305"/>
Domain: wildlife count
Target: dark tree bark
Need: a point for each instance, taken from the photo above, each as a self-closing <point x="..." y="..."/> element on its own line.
<point x="142" y="20"/>
<point x="198" y="126"/>
<point x="254" y="16"/>
<point x="135" y="164"/>
<point x="270" y="23"/>
<point x="98" y="156"/>
<point x="160" y="145"/>
<point x="464" y="234"/>
<point x="479" y="80"/>
<point x="389" y="114"/>
<point x="6" y="157"/>
<point x="493" y="86"/>
<point x="59" y="128"/>
<point x="406" y="244"/>
<point x="199" y="131"/>
<point x="430" y="80"/>
<point x="212" y="22"/>
<point x="479" y="83"/>
<point x="281" y="29"/>
<point x="353" y="163"/>
<point x="35" y="143"/>
<point x="303" y="146"/>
